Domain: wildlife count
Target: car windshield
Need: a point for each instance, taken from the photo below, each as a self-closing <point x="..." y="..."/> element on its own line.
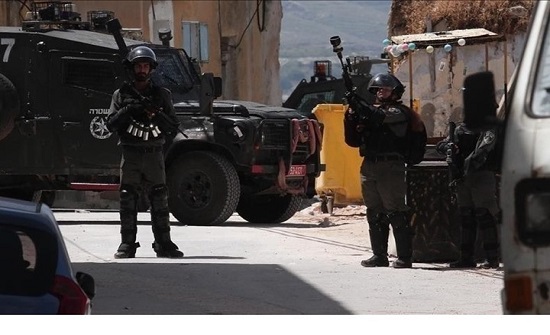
<point x="28" y="260"/>
<point x="175" y="74"/>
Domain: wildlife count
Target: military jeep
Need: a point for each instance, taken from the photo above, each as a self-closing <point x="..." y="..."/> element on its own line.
<point x="324" y="88"/>
<point x="56" y="83"/>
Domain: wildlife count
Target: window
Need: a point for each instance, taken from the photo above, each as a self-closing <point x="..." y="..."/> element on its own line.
<point x="195" y="40"/>
<point x="310" y="100"/>
<point x="28" y="259"/>
<point x="92" y="74"/>
<point x="541" y="94"/>
<point x="174" y="74"/>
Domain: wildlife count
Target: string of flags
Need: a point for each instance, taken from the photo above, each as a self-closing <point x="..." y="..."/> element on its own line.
<point x="397" y="49"/>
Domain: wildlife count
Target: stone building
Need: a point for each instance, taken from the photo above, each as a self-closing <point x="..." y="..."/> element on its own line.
<point x="492" y="33"/>
<point x="234" y="39"/>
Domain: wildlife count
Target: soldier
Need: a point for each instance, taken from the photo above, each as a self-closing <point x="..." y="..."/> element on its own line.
<point x="469" y="153"/>
<point x="135" y="115"/>
<point x="379" y="131"/>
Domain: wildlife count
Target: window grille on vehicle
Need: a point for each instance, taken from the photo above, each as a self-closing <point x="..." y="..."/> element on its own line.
<point x="93" y="74"/>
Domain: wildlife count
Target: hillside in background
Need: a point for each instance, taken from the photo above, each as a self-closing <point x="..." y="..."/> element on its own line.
<point x="308" y="25"/>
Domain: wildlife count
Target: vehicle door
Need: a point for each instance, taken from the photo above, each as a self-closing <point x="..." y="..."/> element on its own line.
<point x="525" y="178"/>
<point x="29" y="145"/>
<point x="81" y="86"/>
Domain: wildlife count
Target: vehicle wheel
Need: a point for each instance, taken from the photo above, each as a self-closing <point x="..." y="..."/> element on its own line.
<point x="204" y="188"/>
<point x="268" y="208"/>
<point x="9" y="106"/>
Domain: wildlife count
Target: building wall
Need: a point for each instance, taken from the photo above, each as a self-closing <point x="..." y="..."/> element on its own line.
<point x="243" y="37"/>
<point x="436" y="79"/>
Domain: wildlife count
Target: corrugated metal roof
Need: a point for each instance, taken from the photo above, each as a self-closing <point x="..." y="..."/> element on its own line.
<point x="472" y="36"/>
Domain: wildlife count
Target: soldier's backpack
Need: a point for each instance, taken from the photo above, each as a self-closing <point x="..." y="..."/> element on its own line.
<point x="416" y="139"/>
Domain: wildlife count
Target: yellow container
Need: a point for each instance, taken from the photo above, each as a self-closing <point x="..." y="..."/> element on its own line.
<point x="341" y="179"/>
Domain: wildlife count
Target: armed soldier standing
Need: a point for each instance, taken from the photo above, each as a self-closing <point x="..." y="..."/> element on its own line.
<point x="379" y="131"/>
<point x="469" y="156"/>
<point x="136" y="115"/>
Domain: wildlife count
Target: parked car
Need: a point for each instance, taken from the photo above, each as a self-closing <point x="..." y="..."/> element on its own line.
<point x="37" y="276"/>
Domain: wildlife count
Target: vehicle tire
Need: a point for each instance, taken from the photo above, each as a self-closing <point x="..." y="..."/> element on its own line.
<point x="268" y="208"/>
<point x="204" y="188"/>
<point x="9" y="106"/>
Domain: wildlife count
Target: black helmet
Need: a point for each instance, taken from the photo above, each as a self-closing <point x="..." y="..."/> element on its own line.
<point x="386" y="80"/>
<point x="140" y="54"/>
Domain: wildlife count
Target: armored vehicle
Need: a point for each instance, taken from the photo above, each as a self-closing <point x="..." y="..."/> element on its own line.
<point x="56" y="82"/>
<point x="323" y="88"/>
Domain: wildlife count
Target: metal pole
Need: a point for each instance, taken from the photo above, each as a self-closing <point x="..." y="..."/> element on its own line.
<point x="411" y="79"/>
<point x="505" y="71"/>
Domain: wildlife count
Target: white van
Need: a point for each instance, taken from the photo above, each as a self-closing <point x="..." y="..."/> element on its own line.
<point x="525" y="175"/>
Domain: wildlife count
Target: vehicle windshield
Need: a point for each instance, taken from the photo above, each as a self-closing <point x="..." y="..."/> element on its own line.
<point x="541" y="96"/>
<point x="175" y="74"/>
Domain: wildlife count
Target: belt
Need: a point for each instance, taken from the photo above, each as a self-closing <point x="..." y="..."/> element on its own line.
<point x="384" y="158"/>
<point x="143" y="150"/>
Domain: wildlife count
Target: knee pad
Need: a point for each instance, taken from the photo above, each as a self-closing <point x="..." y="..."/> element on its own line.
<point x="158" y="196"/>
<point x="398" y="220"/>
<point x="377" y="220"/>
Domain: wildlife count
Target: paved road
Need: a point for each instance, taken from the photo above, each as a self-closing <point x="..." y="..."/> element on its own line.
<point x="307" y="265"/>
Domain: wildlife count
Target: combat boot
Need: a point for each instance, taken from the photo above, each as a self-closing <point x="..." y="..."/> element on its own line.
<point x="160" y="218"/>
<point x="127" y="250"/>
<point x="403" y="234"/>
<point x="463" y="264"/>
<point x="488" y="224"/>
<point x="128" y="223"/>
<point x="402" y="263"/>
<point x="375" y="261"/>
<point x="490" y="264"/>
<point x="167" y="249"/>
<point x="378" y="232"/>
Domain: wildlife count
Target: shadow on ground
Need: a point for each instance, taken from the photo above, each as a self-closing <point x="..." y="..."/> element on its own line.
<point x="203" y="289"/>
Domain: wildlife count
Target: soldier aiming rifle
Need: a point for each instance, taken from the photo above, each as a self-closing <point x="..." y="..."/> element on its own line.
<point x="380" y="132"/>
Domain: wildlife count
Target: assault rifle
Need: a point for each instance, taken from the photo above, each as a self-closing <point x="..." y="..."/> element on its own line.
<point x="454" y="171"/>
<point x="354" y="100"/>
<point x="165" y="123"/>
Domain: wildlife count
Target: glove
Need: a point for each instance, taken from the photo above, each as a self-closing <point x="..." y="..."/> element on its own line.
<point x="351" y="98"/>
<point x="133" y="106"/>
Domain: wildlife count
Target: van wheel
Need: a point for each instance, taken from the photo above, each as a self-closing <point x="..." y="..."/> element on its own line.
<point x="268" y="208"/>
<point x="204" y="188"/>
<point x="9" y="106"/>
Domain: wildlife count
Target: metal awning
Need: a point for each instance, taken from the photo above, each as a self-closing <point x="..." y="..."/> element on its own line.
<point x="437" y="38"/>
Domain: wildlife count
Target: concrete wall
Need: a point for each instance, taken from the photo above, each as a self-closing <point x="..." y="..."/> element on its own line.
<point x="436" y="79"/>
<point x="243" y="36"/>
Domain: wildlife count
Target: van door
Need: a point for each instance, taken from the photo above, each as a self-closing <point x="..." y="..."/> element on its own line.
<point x="525" y="178"/>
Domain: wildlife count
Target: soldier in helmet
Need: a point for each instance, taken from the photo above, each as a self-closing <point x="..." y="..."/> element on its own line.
<point x="471" y="154"/>
<point x="379" y="131"/>
<point x="135" y="115"/>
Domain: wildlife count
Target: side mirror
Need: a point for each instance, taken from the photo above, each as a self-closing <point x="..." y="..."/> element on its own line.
<point x="480" y="104"/>
<point x="87" y="283"/>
